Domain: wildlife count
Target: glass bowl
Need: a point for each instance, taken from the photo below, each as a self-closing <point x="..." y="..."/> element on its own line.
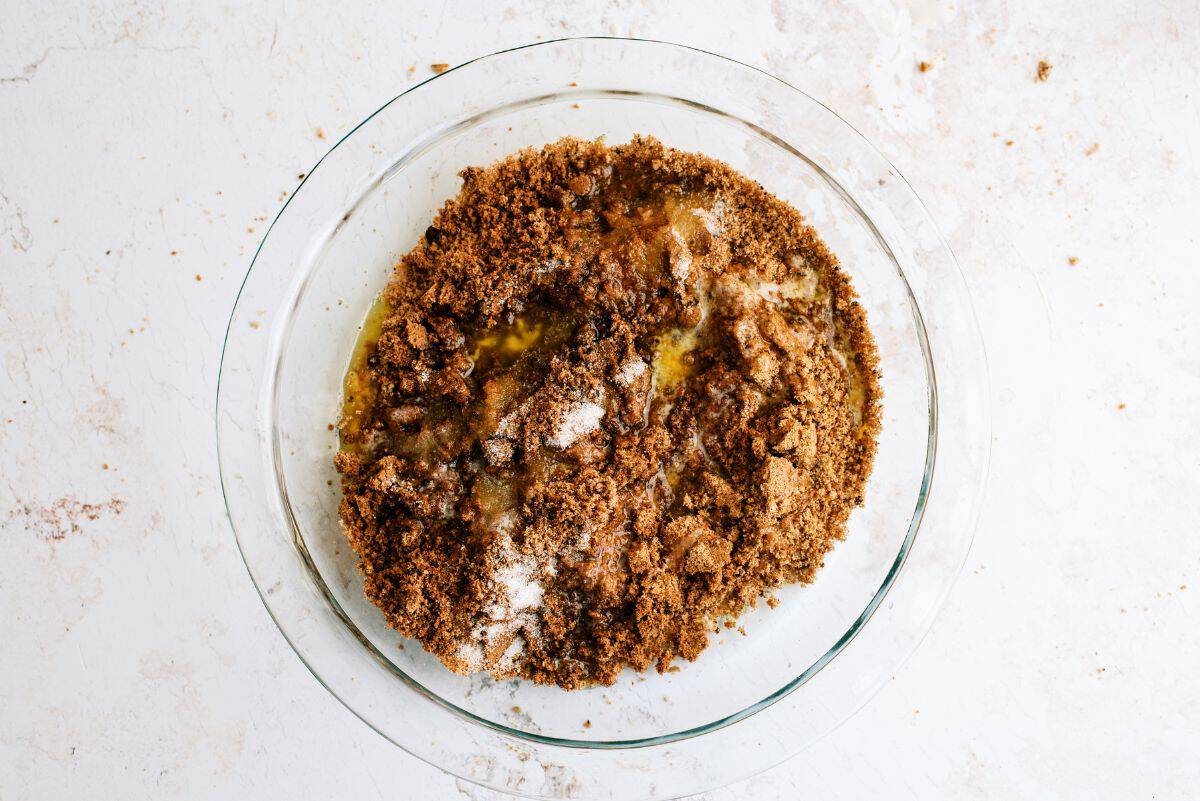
<point x="749" y="701"/>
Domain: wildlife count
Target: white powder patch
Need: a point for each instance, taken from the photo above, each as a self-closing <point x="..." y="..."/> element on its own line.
<point x="470" y="654"/>
<point x="580" y="419"/>
<point x="548" y="267"/>
<point x="714" y="218"/>
<point x="681" y="262"/>
<point x="500" y="634"/>
<point x="497" y="449"/>
<point x="631" y="371"/>
<point x="518" y="585"/>
<point x="508" y="424"/>
<point x="797" y="261"/>
<point x="507" y="661"/>
<point x="802" y="288"/>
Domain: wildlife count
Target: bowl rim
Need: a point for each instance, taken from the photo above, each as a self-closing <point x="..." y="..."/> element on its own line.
<point x="889" y="578"/>
<point x="931" y="445"/>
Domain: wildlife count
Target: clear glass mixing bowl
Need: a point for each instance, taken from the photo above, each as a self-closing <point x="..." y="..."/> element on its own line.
<point x="749" y="701"/>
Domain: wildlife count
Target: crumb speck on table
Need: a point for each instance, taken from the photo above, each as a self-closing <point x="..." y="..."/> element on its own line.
<point x="1091" y="151"/>
<point x="924" y="66"/>
<point x="439" y="68"/>
<point x="1043" y="71"/>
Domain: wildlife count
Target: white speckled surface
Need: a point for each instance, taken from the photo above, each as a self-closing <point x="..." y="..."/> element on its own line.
<point x="143" y="147"/>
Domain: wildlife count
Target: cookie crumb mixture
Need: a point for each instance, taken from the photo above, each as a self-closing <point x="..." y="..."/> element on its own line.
<point x="615" y="396"/>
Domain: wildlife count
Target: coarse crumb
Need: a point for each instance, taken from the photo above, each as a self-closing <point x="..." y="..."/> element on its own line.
<point x="614" y="396"/>
<point x="1043" y="70"/>
<point x="924" y="66"/>
<point x="439" y="68"/>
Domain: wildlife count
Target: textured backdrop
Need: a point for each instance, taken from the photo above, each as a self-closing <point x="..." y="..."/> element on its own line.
<point x="145" y="146"/>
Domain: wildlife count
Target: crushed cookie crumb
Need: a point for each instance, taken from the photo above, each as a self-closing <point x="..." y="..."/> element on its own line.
<point x="1092" y="148"/>
<point x="439" y="68"/>
<point x="924" y="66"/>
<point x="1072" y="260"/>
<point x="1043" y="71"/>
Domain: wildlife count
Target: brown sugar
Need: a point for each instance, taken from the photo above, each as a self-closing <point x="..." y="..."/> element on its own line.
<point x="615" y="396"/>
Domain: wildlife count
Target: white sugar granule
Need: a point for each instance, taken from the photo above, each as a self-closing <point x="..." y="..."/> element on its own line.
<point x="510" y="619"/>
<point x="518" y="585"/>
<point x="631" y="371"/>
<point x="578" y="420"/>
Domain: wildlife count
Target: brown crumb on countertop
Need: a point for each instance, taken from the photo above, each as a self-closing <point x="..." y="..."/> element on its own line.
<point x="1072" y="260"/>
<point x="320" y="133"/>
<point x="1092" y="148"/>
<point x="439" y="68"/>
<point x="617" y="394"/>
<point x="1043" y="70"/>
<point x="65" y="516"/>
<point x="924" y="66"/>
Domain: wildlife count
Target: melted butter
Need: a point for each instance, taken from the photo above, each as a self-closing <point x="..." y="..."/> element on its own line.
<point x="503" y="345"/>
<point x="358" y="388"/>
<point x="672" y="363"/>
<point x="509" y="341"/>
